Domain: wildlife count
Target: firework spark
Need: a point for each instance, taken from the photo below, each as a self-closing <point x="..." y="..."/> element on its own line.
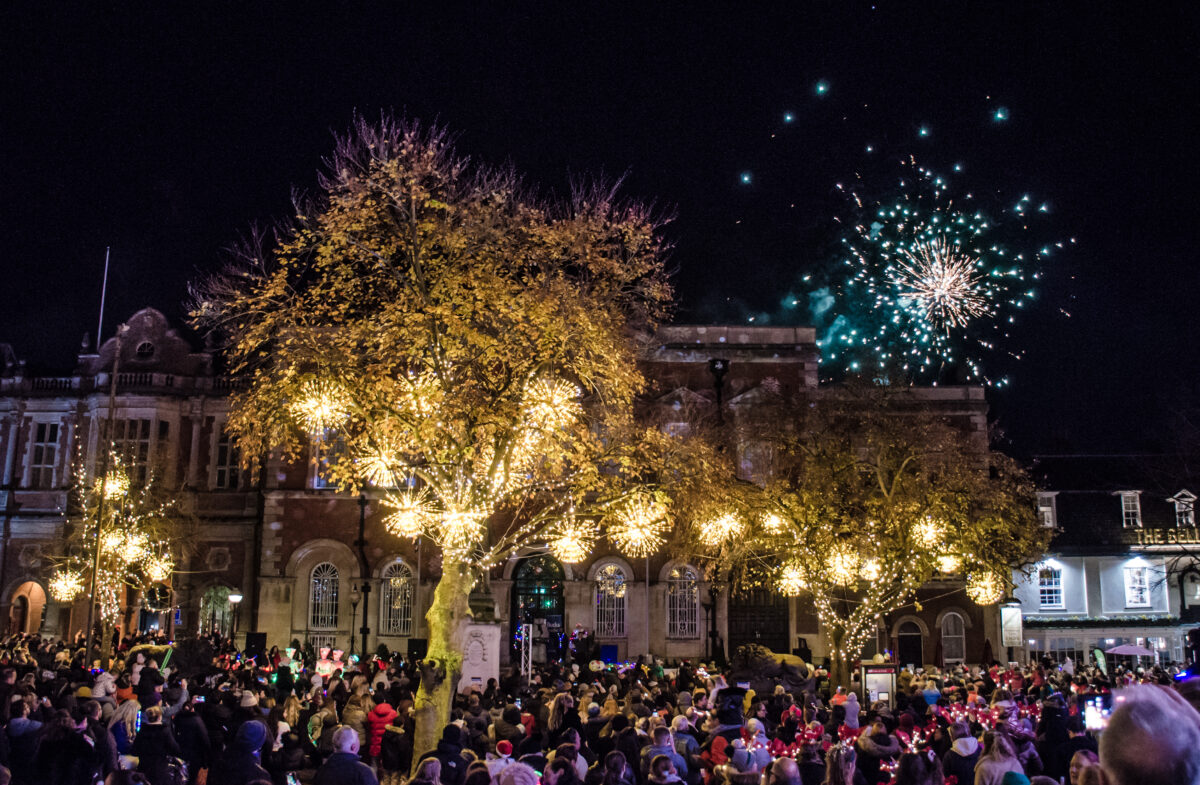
<point x="942" y="281"/>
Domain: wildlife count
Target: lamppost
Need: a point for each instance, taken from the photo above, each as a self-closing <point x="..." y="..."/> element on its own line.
<point x="355" y="599"/>
<point x="365" y="630"/>
<point x="235" y="600"/>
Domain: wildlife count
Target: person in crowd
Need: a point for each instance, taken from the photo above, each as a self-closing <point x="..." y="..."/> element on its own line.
<point x="344" y="766"/>
<point x="1153" y="736"/>
<point x="998" y="759"/>
<point x="919" y="768"/>
<point x="156" y="749"/>
<point x="960" y="761"/>
<point x="1084" y="759"/>
<point x="841" y="767"/>
<point x="875" y="747"/>
<point x="241" y="763"/>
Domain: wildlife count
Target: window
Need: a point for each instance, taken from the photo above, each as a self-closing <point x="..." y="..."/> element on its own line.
<point x="323" y="598"/>
<point x="131" y="441"/>
<point x="145" y="350"/>
<point x="397" y="600"/>
<point x="45" y="450"/>
<point x="326" y="450"/>
<point x="228" y="474"/>
<point x="683" y="603"/>
<point x="1185" y="509"/>
<point x="679" y="429"/>
<point x="954" y="638"/>
<point x="1048" y="509"/>
<point x="1050" y="593"/>
<point x="610" y="602"/>
<point x="756" y="463"/>
<point x="1137" y="587"/>
<point x="1131" y="508"/>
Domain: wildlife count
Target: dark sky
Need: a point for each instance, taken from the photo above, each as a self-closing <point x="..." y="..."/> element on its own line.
<point x="166" y="134"/>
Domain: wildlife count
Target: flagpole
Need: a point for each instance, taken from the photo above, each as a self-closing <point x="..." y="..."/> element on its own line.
<point x="103" y="293"/>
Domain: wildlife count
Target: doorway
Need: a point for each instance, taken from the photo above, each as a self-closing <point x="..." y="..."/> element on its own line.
<point x="910" y="645"/>
<point x="537" y="600"/>
<point x="25" y="612"/>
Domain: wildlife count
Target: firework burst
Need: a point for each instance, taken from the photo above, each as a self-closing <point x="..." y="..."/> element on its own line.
<point x="929" y="284"/>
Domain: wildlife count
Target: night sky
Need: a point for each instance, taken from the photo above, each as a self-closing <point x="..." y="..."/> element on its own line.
<point x="167" y="135"/>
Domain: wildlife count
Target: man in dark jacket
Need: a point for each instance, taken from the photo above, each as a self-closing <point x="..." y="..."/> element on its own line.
<point x="239" y="764"/>
<point x="104" y="746"/>
<point x="192" y="736"/>
<point x="964" y="753"/>
<point x="1078" y="739"/>
<point x="154" y="746"/>
<point x="449" y="752"/>
<point x="343" y="766"/>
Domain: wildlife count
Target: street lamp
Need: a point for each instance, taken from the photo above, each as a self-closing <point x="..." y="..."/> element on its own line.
<point x="365" y="630"/>
<point x="235" y="600"/>
<point x="355" y="599"/>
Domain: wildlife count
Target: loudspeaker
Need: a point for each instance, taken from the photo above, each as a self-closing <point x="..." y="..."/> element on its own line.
<point x="417" y="648"/>
<point x="256" y="644"/>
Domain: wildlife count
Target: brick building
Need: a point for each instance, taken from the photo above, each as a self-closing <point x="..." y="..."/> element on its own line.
<point x="283" y="539"/>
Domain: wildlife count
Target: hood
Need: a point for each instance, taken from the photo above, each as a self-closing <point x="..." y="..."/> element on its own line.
<point x="879" y="746"/>
<point x="966" y="746"/>
<point x="382" y="711"/>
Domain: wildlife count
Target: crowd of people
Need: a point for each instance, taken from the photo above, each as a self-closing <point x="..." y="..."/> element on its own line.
<point x="283" y="718"/>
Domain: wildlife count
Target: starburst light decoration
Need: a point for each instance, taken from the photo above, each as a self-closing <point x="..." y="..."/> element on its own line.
<point x="639" y="527"/>
<point x="321" y="405"/>
<point x="928" y="532"/>
<point x="134" y="547"/>
<point x="772" y="523"/>
<point x="159" y="567"/>
<point x="378" y="467"/>
<point x="573" y="539"/>
<point x="115" y="485"/>
<point x="949" y="563"/>
<point x="791" y="580"/>
<point x="941" y="281"/>
<point x="843" y="563"/>
<point x="870" y="570"/>
<point x="461" y="530"/>
<point x="985" y="588"/>
<point x="66" y="585"/>
<point x="720" y="530"/>
<point x="551" y="403"/>
<point x="412" y="513"/>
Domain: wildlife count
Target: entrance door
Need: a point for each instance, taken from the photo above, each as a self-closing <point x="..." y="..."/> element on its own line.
<point x="909" y="649"/>
<point x="537" y="599"/>
<point x="18" y="615"/>
<point x="758" y="616"/>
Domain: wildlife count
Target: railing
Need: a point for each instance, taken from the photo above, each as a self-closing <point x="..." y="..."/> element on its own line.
<point x="53" y="383"/>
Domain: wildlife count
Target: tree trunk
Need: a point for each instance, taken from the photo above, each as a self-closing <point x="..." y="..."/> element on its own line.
<point x="839" y="671"/>
<point x="448" y="617"/>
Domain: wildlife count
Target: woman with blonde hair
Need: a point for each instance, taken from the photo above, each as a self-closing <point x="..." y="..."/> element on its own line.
<point x="429" y="772"/>
<point x="123" y="724"/>
<point x="998" y="759"/>
<point x="840" y="768"/>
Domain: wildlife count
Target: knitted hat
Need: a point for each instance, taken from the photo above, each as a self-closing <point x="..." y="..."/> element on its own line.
<point x="83" y="692"/>
<point x="248" y="700"/>
<point x="251" y="735"/>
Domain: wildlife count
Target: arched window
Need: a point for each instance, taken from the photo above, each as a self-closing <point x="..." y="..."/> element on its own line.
<point x="683" y="603"/>
<point x="323" y="598"/>
<point x="610" y="602"/>
<point x="910" y="645"/>
<point x="954" y="638"/>
<point x="397" y="605"/>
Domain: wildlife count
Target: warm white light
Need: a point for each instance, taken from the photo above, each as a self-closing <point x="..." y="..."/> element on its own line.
<point x="573" y="539"/>
<point x="413" y="513"/>
<point x="235" y="598"/>
<point x="722" y="529"/>
<point x="638" y="530"/>
<point x="843" y="563"/>
<point x="791" y="580"/>
<point x="321" y="405"/>
<point x="985" y="588"/>
<point x="949" y="563"/>
<point x="66" y="585"/>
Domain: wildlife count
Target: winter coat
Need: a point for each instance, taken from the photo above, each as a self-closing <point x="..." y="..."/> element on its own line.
<point x="153" y="745"/>
<point x="651" y="751"/>
<point x="395" y="750"/>
<point x="961" y="760"/>
<point x="991" y="772"/>
<point x="344" y="768"/>
<point x="872" y="751"/>
<point x="68" y="761"/>
<point x="454" y="765"/>
<point x="104" y="744"/>
<point x="377" y="721"/>
<point x="237" y="767"/>
<point x="356" y="718"/>
<point x="193" y="740"/>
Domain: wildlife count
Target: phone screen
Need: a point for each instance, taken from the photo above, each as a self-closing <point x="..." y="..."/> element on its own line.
<point x="1095" y="714"/>
<point x="199" y="699"/>
<point x="292" y="779"/>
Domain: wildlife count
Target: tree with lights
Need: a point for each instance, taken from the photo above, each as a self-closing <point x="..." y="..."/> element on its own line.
<point x="432" y="326"/>
<point x="872" y="496"/>
<point x="127" y="535"/>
